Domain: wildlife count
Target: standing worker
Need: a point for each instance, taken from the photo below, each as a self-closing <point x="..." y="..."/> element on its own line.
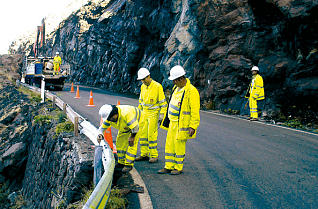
<point x="182" y="120"/>
<point x="57" y="61"/>
<point x="255" y="93"/>
<point x="153" y="104"/>
<point x="126" y="119"/>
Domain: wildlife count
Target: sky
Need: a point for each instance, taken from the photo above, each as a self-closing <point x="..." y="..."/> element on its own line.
<point x="21" y="17"/>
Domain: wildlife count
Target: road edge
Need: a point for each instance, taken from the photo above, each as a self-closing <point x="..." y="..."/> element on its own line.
<point x="144" y="198"/>
<point x="260" y="122"/>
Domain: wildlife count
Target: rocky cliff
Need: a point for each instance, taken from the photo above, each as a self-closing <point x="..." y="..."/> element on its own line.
<point x="216" y="41"/>
<point x="39" y="166"/>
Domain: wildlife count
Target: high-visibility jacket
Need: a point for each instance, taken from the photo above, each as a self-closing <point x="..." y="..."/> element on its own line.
<point x="256" y="88"/>
<point x="57" y="60"/>
<point x="188" y="109"/>
<point x="152" y="98"/>
<point x="128" y="120"/>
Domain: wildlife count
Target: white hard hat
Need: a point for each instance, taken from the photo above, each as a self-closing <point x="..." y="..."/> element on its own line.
<point x="105" y="110"/>
<point x="176" y="72"/>
<point x="143" y="73"/>
<point x="57" y="53"/>
<point x="255" y="68"/>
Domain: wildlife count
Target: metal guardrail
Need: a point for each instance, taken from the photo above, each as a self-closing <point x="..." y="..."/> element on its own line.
<point x="100" y="195"/>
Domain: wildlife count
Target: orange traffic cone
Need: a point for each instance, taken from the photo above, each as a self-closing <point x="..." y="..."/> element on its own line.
<point x="77" y="93"/>
<point x="108" y="138"/>
<point x="118" y="102"/>
<point x="91" y="100"/>
<point x="72" y="88"/>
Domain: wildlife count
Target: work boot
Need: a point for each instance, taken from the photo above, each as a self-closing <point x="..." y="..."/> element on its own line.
<point x="164" y="171"/>
<point x="127" y="168"/>
<point x="153" y="160"/>
<point x="142" y="158"/>
<point x="175" y="172"/>
<point x="254" y="119"/>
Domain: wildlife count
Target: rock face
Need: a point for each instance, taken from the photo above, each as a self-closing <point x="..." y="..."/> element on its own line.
<point x="216" y="41"/>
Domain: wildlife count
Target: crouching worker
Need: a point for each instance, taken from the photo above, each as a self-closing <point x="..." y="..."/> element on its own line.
<point x="126" y="119"/>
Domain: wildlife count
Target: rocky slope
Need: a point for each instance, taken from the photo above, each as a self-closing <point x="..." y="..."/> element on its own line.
<point x="46" y="169"/>
<point x="216" y="41"/>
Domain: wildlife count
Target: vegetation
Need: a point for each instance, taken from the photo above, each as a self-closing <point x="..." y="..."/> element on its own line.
<point x="43" y="119"/>
<point x="294" y="123"/>
<point x="65" y="127"/>
<point x="35" y="97"/>
<point x="116" y="200"/>
<point x="232" y="112"/>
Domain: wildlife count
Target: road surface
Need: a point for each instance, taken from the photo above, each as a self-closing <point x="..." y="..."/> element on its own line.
<point x="233" y="163"/>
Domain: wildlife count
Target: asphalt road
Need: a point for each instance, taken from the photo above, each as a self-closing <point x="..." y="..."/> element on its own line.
<point x="233" y="163"/>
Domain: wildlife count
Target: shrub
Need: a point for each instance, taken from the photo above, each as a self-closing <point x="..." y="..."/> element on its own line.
<point x="67" y="127"/>
<point x="43" y="119"/>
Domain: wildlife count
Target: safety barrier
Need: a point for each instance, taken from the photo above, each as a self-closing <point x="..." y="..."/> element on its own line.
<point x="100" y="195"/>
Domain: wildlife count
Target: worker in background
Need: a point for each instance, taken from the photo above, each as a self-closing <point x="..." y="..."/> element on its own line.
<point x="255" y="93"/>
<point x="152" y="103"/>
<point x="57" y="61"/>
<point x="126" y="119"/>
<point x="181" y="120"/>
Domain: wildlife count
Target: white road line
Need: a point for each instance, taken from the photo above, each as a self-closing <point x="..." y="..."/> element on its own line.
<point x="144" y="198"/>
<point x="268" y="124"/>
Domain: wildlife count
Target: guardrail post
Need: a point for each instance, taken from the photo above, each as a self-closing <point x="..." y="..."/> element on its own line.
<point x="43" y="90"/>
<point x="76" y="126"/>
<point x="64" y="107"/>
<point x="53" y="101"/>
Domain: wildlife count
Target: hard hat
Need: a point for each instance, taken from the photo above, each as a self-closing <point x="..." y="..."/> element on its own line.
<point x="143" y="73"/>
<point x="176" y="72"/>
<point x="57" y="53"/>
<point x="105" y="110"/>
<point x="255" y="68"/>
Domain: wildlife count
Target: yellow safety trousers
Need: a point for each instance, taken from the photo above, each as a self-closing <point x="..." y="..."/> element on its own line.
<point x="56" y="68"/>
<point x="175" y="149"/>
<point x="149" y="134"/>
<point x="253" y="107"/>
<point x="126" y="154"/>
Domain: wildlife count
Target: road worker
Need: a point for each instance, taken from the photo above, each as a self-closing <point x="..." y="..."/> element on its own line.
<point x="255" y="93"/>
<point x="181" y="120"/>
<point x="126" y="119"/>
<point x="153" y="104"/>
<point x="57" y="61"/>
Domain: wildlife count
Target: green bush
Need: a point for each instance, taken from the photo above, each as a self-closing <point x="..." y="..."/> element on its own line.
<point x="294" y="123"/>
<point x="43" y="119"/>
<point x="64" y="127"/>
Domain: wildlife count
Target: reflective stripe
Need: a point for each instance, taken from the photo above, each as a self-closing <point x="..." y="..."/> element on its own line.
<point x="129" y="161"/>
<point x="147" y="105"/>
<point x="153" y="108"/>
<point x="174" y="107"/>
<point x="144" y="145"/>
<point x="170" y="154"/>
<point x="164" y="105"/>
<point x="184" y="129"/>
<point x="253" y="111"/>
<point x="170" y="161"/>
<point x="139" y="114"/>
<point x="186" y="113"/>
<point x="155" y="147"/>
<point x="106" y="124"/>
<point x="180" y="156"/>
<point x="121" y="158"/>
<point x="130" y="155"/>
<point x="121" y="151"/>
<point x="174" y="114"/>
<point x="161" y="101"/>
<point x="133" y="120"/>
<point x="259" y="86"/>
<point x="143" y="139"/>
<point x="153" y="142"/>
<point x="261" y="97"/>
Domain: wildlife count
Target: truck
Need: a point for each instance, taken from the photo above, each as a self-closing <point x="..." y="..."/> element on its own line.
<point x="37" y="68"/>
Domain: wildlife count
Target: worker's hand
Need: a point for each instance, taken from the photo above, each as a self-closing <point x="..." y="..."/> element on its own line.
<point x="191" y="131"/>
<point x="100" y="138"/>
<point x="131" y="141"/>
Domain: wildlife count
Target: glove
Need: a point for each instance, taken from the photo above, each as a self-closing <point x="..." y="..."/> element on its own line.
<point x="99" y="138"/>
<point x="131" y="141"/>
